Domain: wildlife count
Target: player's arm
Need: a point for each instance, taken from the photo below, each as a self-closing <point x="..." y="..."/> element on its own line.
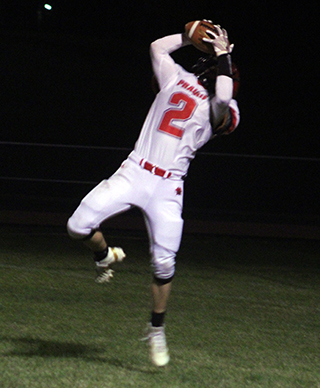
<point x="230" y="120"/>
<point x="222" y="117"/>
<point x="164" y="67"/>
<point x="223" y="90"/>
<point x="225" y="115"/>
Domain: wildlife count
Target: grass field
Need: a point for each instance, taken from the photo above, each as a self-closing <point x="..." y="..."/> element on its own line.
<point x="244" y="312"/>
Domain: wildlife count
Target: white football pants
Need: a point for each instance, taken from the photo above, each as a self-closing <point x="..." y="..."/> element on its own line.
<point x="161" y="201"/>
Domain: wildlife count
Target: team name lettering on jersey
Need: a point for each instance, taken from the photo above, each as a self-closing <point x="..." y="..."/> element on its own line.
<point x="192" y="89"/>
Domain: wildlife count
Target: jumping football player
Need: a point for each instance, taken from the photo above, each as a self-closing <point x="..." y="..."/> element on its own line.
<point x="188" y="111"/>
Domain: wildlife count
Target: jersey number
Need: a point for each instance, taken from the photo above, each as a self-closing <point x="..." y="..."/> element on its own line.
<point x="182" y="113"/>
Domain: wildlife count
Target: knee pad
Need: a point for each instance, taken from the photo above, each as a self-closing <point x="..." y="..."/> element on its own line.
<point x="163" y="263"/>
<point x="76" y="232"/>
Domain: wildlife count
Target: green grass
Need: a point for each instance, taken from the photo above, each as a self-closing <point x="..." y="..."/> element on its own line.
<point x="244" y="312"/>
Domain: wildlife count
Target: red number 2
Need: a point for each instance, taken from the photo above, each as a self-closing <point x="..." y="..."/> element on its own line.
<point x="182" y="113"/>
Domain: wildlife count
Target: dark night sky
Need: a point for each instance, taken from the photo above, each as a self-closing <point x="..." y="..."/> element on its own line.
<point x="81" y="76"/>
<point x="275" y="50"/>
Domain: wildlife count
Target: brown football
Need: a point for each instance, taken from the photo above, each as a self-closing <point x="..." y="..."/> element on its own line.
<point x="196" y="30"/>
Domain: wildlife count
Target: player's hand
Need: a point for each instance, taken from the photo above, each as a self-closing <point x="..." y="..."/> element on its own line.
<point x="207" y="20"/>
<point x="219" y="41"/>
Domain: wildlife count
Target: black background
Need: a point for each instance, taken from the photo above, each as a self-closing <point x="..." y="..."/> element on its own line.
<point x="80" y="75"/>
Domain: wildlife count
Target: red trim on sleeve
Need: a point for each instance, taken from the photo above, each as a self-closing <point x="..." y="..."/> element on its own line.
<point x="233" y="123"/>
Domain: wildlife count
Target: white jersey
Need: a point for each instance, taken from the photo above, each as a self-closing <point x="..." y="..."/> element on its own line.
<point x="178" y="122"/>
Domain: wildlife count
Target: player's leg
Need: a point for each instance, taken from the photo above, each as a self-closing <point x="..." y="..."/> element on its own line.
<point x="163" y="264"/>
<point x="159" y="352"/>
<point x="104" y="256"/>
<point x="96" y="242"/>
<point x="164" y="224"/>
<point x="160" y="294"/>
<point x="105" y="200"/>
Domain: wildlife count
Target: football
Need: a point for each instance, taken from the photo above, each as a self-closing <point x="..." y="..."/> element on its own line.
<point x="196" y="30"/>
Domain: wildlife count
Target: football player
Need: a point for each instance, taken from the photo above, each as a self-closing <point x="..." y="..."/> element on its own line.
<point x="189" y="110"/>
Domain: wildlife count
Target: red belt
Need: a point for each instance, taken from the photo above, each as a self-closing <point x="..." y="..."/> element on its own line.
<point x="154" y="169"/>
